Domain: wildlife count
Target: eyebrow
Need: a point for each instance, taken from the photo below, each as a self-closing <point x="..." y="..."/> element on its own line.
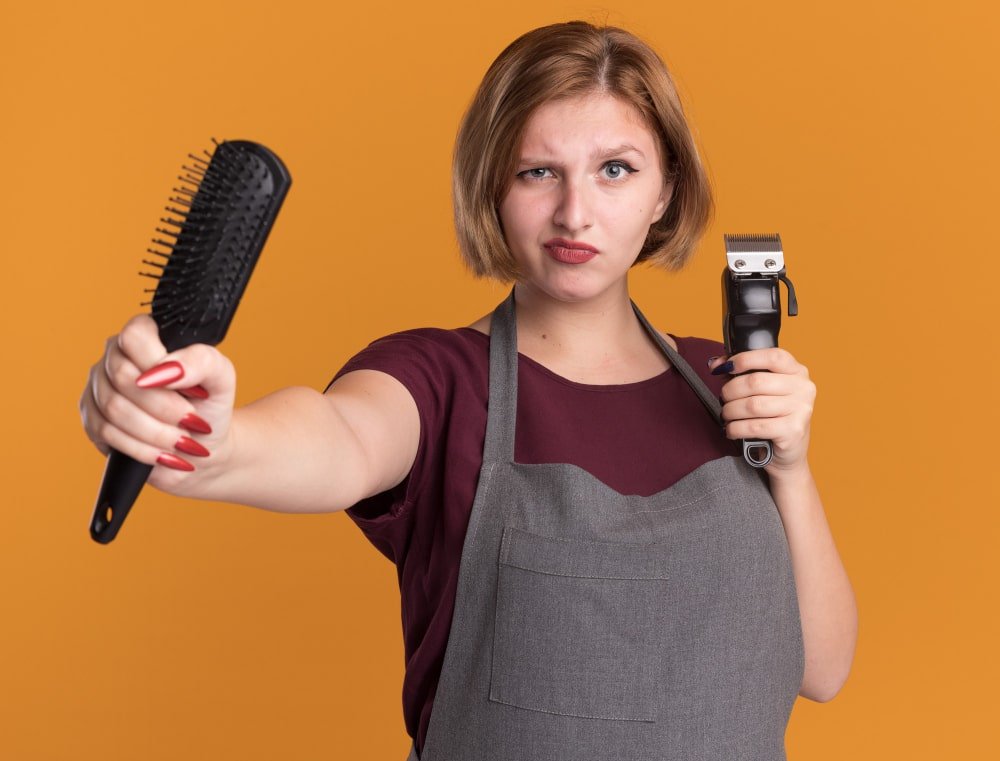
<point x="623" y="148"/>
<point x="603" y="154"/>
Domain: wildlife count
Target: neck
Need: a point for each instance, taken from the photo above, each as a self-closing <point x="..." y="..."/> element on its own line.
<point x="582" y="328"/>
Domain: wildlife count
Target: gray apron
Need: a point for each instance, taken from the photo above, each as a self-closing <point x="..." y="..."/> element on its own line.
<point x="590" y="624"/>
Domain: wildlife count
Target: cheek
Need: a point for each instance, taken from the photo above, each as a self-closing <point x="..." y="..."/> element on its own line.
<point x="521" y="215"/>
<point x="634" y="217"/>
<point x="647" y="209"/>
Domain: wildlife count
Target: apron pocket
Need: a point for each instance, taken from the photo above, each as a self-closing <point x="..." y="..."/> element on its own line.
<point x="579" y="626"/>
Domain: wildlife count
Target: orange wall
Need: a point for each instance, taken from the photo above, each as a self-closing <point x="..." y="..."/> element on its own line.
<point x="865" y="133"/>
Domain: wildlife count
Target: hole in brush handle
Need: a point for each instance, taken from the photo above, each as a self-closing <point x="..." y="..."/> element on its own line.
<point x="122" y="482"/>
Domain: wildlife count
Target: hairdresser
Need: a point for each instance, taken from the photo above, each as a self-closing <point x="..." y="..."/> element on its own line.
<point x="588" y="566"/>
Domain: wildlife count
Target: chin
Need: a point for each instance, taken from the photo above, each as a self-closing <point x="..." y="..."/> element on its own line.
<point x="572" y="289"/>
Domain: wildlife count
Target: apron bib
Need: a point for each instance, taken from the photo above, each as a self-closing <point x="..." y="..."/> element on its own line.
<point x="590" y="624"/>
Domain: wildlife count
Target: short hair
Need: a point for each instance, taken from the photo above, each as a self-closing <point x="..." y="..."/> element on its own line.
<point x="563" y="61"/>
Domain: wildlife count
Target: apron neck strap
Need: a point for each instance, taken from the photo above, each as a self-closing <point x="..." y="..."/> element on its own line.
<point x="501" y="414"/>
<point x="697" y="385"/>
<point x="501" y="419"/>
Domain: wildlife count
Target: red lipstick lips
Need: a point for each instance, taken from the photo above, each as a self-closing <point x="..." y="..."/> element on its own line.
<point x="570" y="251"/>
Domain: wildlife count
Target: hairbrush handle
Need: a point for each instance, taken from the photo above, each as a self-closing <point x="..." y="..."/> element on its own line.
<point x="752" y="307"/>
<point x="221" y="215"/>
<point x="123" y="480"/>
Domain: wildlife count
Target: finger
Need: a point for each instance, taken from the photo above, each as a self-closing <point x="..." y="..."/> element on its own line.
<point x="199" y="365"/>
<point x="772" y="429"/>
<point x="775" y="359"/>
<point x="164" y="410"/>
<point x="121" y="420"/>
<point x="168" y="466"/>
<point x="119" y="369"/>
<point x="714" y="362"/>
<point x="109" y="436"/>
<point x="139" y="341"/>
<point x="119" y="378"/>
<point x="127" y="354"/>
<point x="757" y="407"/>
<point x="759" y="384"/>
<point x="784" y="430"/>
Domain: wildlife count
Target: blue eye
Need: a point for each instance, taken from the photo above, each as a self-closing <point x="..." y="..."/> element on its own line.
<point x="537" y="173"/>
<point x="615" y="170"/>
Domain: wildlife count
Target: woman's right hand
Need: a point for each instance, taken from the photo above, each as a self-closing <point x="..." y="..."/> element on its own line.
<point x="180" y="424"/>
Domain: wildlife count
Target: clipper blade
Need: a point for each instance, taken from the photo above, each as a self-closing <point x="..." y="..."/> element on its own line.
<point x="755" y="254"/>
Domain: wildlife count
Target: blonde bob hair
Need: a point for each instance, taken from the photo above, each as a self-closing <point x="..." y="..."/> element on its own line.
<point x="564" y="61"/>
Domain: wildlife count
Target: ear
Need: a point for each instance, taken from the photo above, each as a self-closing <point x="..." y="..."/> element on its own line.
<point x="662" y="203"/>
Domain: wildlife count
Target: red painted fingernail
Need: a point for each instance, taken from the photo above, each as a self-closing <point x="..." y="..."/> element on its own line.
<point x="190" y="446"/>
<point x="160" y="375"/>
<point x="194" y="392"/>
<point x="173" y="461"/>
<point x="192" y="422"/>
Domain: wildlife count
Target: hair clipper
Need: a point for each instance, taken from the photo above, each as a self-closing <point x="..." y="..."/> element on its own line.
<point x="751" y="304"/>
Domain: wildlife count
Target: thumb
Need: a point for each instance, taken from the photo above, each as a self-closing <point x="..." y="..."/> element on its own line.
<point x="714" y="362"/>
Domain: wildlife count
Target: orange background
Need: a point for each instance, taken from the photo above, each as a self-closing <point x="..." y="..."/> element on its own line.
<point x="865" y="133"/>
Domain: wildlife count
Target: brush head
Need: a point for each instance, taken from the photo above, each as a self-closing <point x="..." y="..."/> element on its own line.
<point x="218" y="221"/>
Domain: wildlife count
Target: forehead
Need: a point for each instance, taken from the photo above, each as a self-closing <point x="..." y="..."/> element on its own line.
<point x="596" y="121"/>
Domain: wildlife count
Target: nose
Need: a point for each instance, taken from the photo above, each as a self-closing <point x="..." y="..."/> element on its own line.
<point x="574" y="206"/>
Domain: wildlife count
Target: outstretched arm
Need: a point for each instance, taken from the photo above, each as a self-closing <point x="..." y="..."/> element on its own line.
<point x="295" y="450"/>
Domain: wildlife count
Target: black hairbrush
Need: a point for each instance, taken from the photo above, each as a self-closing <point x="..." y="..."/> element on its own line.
<point x="222" y="213"/>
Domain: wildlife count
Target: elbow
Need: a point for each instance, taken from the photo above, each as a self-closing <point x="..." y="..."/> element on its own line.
<point x="823" y="691"/>
<point x="820" y="694"/>
<point x="826" y="673"/>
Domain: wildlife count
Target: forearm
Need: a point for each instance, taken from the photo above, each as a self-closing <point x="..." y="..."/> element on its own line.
<point x="826" y="600"/>
<point x="288" y="452"/>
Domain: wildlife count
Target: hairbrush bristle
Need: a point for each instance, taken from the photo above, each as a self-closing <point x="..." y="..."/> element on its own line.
<point x="220" y="216"/>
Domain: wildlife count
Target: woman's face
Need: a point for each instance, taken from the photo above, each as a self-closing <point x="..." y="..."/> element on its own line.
<point x="588" y="185"/>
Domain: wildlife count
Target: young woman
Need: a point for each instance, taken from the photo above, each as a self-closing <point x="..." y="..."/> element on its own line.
<point x="588" y="567"/>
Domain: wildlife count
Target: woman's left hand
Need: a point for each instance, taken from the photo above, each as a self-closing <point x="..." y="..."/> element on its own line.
<point x="775" y="405"/>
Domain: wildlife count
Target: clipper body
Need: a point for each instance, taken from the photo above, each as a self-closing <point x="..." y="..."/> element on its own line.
<point x="752" y="307"/>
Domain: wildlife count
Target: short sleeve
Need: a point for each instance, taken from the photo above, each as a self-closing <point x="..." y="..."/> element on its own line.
<point x="413" y="358"/>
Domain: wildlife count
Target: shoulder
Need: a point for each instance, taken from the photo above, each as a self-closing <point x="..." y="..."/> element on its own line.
<point x="436" y="340"/>
<point x="420" y="356"/>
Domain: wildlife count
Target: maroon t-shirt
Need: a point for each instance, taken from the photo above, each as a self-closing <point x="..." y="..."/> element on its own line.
<point x="638" y="438"/>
